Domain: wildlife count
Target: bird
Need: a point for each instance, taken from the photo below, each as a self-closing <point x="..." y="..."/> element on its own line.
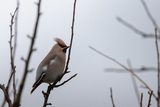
<point x="52" y="65"/>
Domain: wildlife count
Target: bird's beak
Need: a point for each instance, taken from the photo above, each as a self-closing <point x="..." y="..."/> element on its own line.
<point x="67" y="47"/>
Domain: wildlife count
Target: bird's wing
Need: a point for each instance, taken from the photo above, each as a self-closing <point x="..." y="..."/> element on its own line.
<point x="48" y="59"/>
<point x="38" y="82"/>
<point x="43" y="67"/>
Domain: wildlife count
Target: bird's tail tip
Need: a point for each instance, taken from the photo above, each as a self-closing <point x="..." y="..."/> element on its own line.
<point x="30" y="93"/>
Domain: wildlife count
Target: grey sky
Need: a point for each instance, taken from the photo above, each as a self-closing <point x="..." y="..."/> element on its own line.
<point x="95" y="26"/>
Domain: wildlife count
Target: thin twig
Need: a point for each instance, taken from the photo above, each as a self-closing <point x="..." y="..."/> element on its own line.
<point x="14" y="50"/>
<point x="72" y="30"/>
<point x="137" y="70"/>
<point x="150" y="95"/>
<point x="5" y="90"/>
<point x="50" y="87"/>
<point x="134" y="82"/>
<point x="65" y="81"/>
<point x="158" y="64"/>
<point x="11" y="48"/>
<point x="145" y="35"/>
<point x="141" y="99"/>
<point x="17" y="101"/>
<point x="124" y="68"/>
<point x="112" y="97"/>
<point x="150" y="16"/>
<point x="6" y="95"/>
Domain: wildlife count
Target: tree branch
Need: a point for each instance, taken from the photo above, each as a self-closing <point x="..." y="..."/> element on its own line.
<point x="141" y="100"/>
<point x="6" y="95"/>
<point x="137" y="70"/>
<point x="14" y="50"/>
<point x="17" y="101"/>
<point x="50" y="87"/>
<point x="145" y="35"/>
<point x="134" y="82"/>
<point x="150" y="16"/>
<point x="150" y="95"/>
<point x="112" y="97"/>
<point x="11" y="52"/>
<point x="65" y="81"/>
<point x="124" y="68"/>
<point x="158" y="64"/>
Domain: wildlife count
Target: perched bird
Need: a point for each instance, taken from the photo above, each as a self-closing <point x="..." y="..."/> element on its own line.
<point x="52" y="65"/>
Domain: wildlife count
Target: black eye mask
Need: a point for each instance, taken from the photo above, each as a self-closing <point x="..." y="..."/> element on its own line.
<point x="61" y="45"/>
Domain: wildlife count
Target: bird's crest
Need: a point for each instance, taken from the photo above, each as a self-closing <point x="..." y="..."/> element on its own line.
<point x="60" y="42"/>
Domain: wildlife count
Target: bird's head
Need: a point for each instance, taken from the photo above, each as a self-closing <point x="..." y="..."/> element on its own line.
<point x="62" y="45"/>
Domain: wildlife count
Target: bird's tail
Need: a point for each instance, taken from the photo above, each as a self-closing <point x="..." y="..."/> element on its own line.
<point x="35" y="86"/>
<point x="38" y="82"/>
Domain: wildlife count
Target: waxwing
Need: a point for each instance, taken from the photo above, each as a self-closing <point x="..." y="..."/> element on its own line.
<point x="52" y="65"/>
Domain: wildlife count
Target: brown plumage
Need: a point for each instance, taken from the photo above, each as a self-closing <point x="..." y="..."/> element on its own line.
<point x="52" y="65"/>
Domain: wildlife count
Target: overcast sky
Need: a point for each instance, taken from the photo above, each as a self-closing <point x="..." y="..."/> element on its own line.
<point x="96" y="26"/>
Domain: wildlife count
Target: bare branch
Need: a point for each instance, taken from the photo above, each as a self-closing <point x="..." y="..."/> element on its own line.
<point x="150" y="16"/>
<point x="11" y="52"/>
<point x="150" y="95"/>
<point x="50" y="87"/>
<point x="14" y="50"/>
<point x="158" y="64"/>
<point x="65" y="81"/>
<point x="141" y="100"/>
<point x="137" y="70"/>
<point x="145" y="35"/>
<point x="6" y="95"/>
<point x="112" y="97"/>
<point x="124" y="68"/>
<point x="17" y="101"/>
<point x="134" y="82"/>
<point x="48" y="104"/>
<point x="72" y="30"/>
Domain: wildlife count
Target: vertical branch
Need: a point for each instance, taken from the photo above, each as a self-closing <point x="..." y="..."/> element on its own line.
<point x="150" y="95"/>
<point x="11" y="55"/>
<point x="141" y="99"/>
<point x="11" y="48"/>
<point x="50" y="87"/>
<point x="158" y="64"/>
<point x="150" y="16"/>
<point x="14" y="50"/>
<point x="72" y="28"/>
<point x="18" y="98"/>
<point x="112" y="97"/>
<point x="134" y="82"/>
<point x="5" y="90"/>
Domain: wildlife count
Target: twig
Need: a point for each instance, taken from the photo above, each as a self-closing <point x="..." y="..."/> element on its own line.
<point x="65" y="81"/>
<point x="156" y="42"/>
<point x="112" y="97"/>
<point x="141" y="99"/>
<point x="14" y="49"/>
<point x="137" y="70"/>
<point x="50" y="87"/>
<point x="134" y="82"/>
<point x="5" y="90"/>
<point x="150" y="16"/>
<point x="6" y="95"/>
<point x="135" y="29"/>
<point x="124" y="68"/>
<point x="17" y="101"/>
<point x="11" y="53"/>
<point x="150" y="95"/>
